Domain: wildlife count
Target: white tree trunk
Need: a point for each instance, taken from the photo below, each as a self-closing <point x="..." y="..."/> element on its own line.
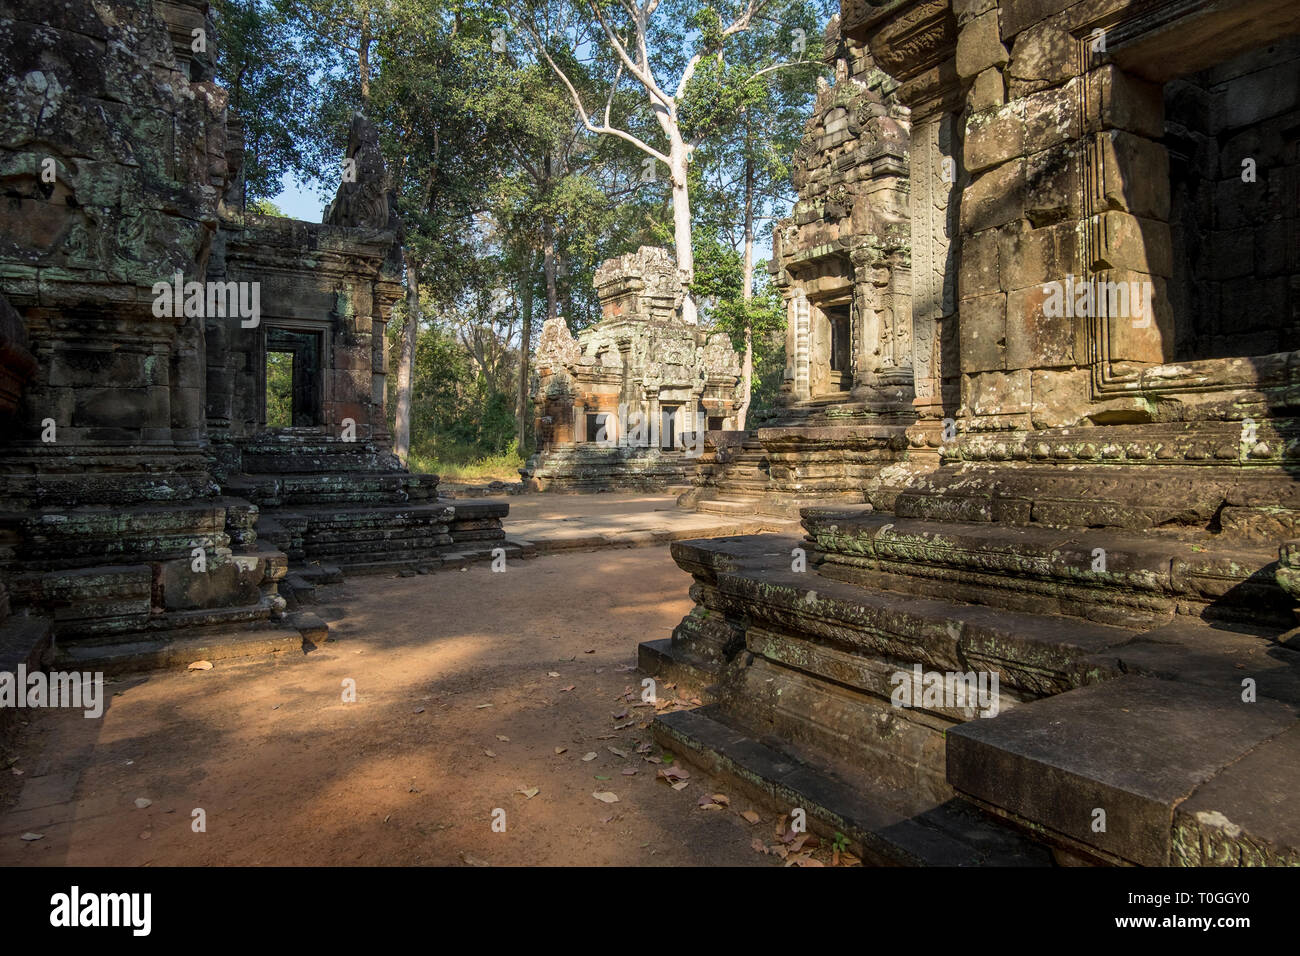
<point x="678" y="156"/>
<point x="406" y="363"/>
<point x="747" y="293"/>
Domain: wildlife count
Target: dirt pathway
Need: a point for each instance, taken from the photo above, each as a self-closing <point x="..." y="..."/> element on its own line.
<point x="467" y="683"/>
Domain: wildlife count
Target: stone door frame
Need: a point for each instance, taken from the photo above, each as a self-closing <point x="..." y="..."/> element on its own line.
<point x="324" y="393"/>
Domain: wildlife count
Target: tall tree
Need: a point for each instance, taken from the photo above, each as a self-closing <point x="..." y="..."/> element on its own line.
<point x="658" y="48"/>
<point x="756" y="102"/>
<point x="263" y="65"/>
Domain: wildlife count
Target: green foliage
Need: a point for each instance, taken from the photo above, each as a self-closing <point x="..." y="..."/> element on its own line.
<point x="279" y="389"/>
<point x="264" y="207"/>
<point x="719" y="287"/>
<point x="262" y="62"/>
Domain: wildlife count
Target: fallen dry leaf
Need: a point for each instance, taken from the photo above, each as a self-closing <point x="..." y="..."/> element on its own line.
<point x="142" y="802"/>
<point x="590" y="755"/>
<point x="489" y="753"/>
<point x="752" y="817"/>
<point x="629" y="771"/>
<point x="682" y="785"/>
<point x="560" y="750"/>
<point x="29" y="837"/>
<point x="530" y="792"/>
<point x="604" y="796"/>
<point x="503" y="738"/>
<point x="565" y="690"/>
<point x="616" y="752"/>
<point x="674" y="773"/>
<point x="201" y="666"/>
<point x="552" y="673"/>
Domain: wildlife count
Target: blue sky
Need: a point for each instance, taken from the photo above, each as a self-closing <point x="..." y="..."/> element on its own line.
<point x="299" y="202"/>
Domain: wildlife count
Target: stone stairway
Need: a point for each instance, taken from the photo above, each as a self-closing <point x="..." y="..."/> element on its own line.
<point x="351" y="505"/>
<point x="801" y="671"/>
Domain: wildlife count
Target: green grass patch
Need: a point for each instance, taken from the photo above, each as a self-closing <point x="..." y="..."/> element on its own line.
<point x="465" y="463"/>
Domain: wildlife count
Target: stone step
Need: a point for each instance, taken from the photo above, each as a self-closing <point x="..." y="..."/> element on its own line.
<point x="858" y="636"/>
<point x="1185" y="770"/>
<point x="179" y="649"/>
<point x="883" y="827"/>
<point x="357" y="487"/>
<point x="1101" y="574"/>
<point x="450" y="559"/>
<point x="728" y="506"/>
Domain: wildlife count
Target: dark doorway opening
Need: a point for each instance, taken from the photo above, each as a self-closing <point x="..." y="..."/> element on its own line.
<point x="293" y="379"/>
<point x="838" y="317"/>
<point x="668" y="429"/>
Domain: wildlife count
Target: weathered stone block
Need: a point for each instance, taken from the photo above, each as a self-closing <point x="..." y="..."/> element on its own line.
<point x="967" y="10"/>
<point x="979" y="265"/>
<point x="1029" y="256"/>
<point x="994" y="198"/>
<point x="1042" y="56"/>
<point x="1119" y="100"/>
<point x="993" y="137"/>
<point x="1141" y="338"/>
<point x="989" y="90"/>
<point x="1134" y="174"/>
<point x="1051" y="116"/>
<point x="1036" y="340"/>
<point x="1054" y="185"/>
<point x="982" y="326"/>
<point x="997" y="393"/>
<point x="979" y="45"/>
<point x="1059" y="399"/>
<point x="1122" y="241"/>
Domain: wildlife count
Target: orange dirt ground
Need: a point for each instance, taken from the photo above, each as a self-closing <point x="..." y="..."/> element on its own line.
<point x="446" y="666"/>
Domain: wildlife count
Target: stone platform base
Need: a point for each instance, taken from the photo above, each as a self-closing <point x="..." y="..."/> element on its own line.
<point x="588" y="467"/>
<point x="779" y="470"/>
<point x="1161" y="688"/>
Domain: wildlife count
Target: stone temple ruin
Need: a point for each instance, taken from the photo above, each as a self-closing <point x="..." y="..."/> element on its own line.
<point x="1044" y="287"/>
<point x="625" y="404"/>
<point x="149" y="515"/>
